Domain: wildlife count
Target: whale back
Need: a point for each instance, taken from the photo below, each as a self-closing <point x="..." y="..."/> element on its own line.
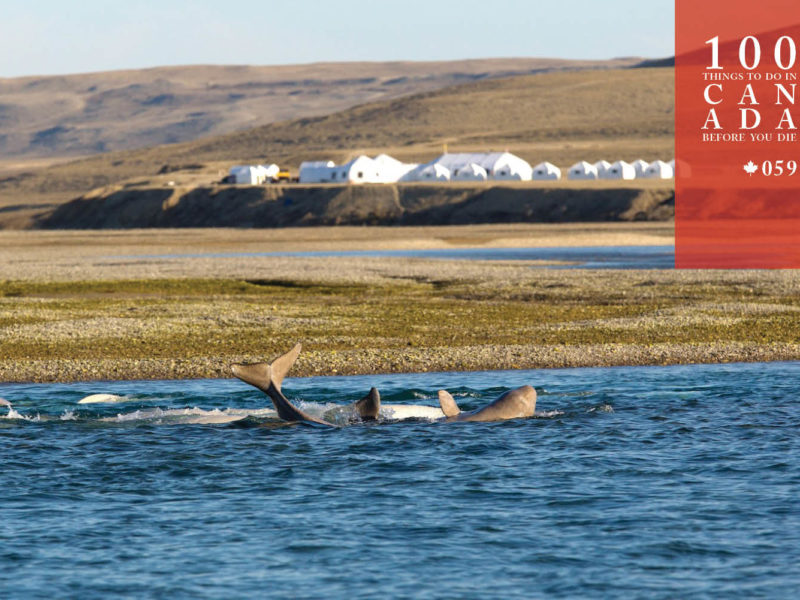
<point x="514" y="404"/>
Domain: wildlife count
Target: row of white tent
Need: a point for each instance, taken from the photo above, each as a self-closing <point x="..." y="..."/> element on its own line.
<point x="498" y="166"/>
<point x="448" y="167"/>
<point x="638" y="169"/>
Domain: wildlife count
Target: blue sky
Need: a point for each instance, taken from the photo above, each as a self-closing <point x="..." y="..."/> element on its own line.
<point x="50" y="36"/>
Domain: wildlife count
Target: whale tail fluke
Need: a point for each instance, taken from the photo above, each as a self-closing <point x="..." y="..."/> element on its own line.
<point x="281" y="365"/>
<point x="448" y="404"/>
<point x="268" y="377"/>
<point x="263" y="375"/>
<point x="369" y="406"/>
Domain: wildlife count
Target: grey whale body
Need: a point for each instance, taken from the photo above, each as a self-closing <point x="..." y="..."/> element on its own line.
<point x="514" y="404"/>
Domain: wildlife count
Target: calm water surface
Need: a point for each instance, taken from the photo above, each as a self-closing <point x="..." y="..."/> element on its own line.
<point x="677" y="482"/>
<point x="585" y="257"/>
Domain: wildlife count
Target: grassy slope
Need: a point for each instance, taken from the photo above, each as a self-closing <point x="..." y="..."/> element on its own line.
<point x="561" y="117"/>
<point x="71" y="115"/>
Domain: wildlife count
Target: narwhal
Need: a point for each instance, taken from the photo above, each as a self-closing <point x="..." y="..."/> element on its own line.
<point x="268" y="377"/>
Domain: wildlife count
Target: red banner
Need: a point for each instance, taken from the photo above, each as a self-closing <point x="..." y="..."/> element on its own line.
<point x="737" y="196"/>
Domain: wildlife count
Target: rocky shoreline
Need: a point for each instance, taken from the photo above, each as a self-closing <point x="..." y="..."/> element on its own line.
<point x="372" y="361"/>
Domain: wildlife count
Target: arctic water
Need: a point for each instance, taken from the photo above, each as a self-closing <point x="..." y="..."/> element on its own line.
<point x="657" y="482"/>
<point x="579" y="257"/>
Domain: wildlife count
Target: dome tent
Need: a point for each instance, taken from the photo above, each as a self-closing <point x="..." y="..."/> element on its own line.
<point x="391" y="170"/>
<point x="318" y="171"/>
<point x="546" y="172"/>
<point x="253" y="174"/>
<point x="582" y="170"/>
<point x="658" y="169"/>
<point x="470" y="172"/>
<point x="621" y="170"/>
<point x="429" y="172"/>
<point x="640" y="167"/>
<point x="361" y="169"/>
<point x="602" y="167"/>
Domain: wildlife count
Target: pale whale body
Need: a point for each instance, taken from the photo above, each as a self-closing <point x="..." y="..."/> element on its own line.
<point x="102" y="399"/>
<point x="268" y="377"/>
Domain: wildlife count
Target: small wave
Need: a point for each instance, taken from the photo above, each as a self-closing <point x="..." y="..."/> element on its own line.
<point x="604" y="408"/>
<point x="69" y="415"/>
<point x="548" y="414"/>
<point x="431" y="395"/>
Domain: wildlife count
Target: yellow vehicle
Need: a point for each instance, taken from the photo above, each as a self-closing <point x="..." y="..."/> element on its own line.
<point x="283" y="175"/>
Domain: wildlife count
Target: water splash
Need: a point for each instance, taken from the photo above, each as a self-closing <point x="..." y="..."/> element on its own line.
<point x="16" y="416"/>
<point x="195" y="415"/>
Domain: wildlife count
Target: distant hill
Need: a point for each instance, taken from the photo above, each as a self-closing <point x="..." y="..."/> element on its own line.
<point x="76" y="115"/>
<point x="657" y="62"/>
<point x="557" y="116"/>
<point x="561" y="117"/>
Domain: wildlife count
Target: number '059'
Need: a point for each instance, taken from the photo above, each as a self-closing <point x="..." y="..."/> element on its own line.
<point x="779" y="167"/>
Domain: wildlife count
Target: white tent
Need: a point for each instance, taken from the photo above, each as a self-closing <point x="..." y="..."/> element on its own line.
<point x="361" y="169"/>
<point x="582" y="170"/>
<point x="470" y="172"/>
<point x="621" y="170"/>
<point x="602" y="167"/>
<point x="316" y="171"/>
<point x="391" y="170"/>
<point x="659" y="170"/>
<point x="640" y="167"/>
<point x="498" y="165"/>
<point x="508" y="167"/>
<point x="271" y="171"/>
<point x="250" y="174"/>
<point x="546" y="171"/>
<point x="429" y="172"/>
